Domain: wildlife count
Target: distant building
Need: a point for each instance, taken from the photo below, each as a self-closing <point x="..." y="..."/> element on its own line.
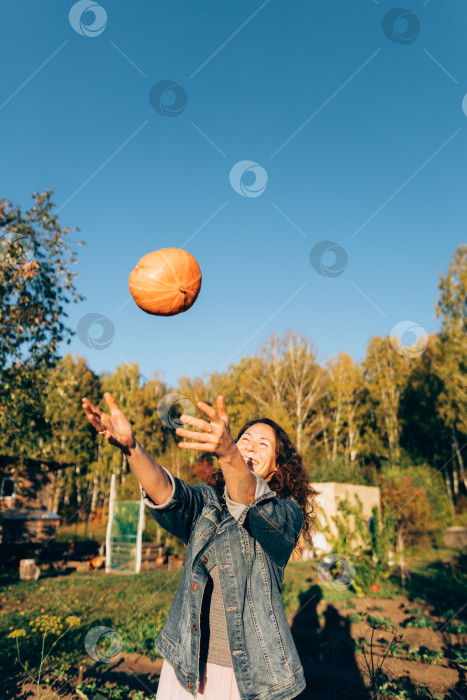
<point x="25" y="500"/>
<point x="330" y="493"/>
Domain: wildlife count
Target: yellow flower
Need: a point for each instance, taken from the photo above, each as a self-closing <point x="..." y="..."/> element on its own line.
<point x="73" y="621"/>
<point x="17" y="633"/>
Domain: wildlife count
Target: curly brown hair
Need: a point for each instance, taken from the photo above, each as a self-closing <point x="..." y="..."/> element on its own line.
<point x="290" y="479"/>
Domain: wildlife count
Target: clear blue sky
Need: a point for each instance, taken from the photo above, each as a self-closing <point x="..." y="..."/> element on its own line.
<point x="363" y="140"/>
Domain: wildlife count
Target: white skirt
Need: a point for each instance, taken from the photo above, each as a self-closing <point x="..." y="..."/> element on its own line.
<point x="216" y="683"/>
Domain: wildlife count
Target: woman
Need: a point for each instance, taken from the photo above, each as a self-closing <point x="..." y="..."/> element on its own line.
<point x="226" y="635"/>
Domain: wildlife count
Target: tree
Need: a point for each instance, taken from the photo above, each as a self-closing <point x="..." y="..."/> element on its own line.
<point x="289" y="385"/>
<point x="386" y="375"/>
<point x="235" y="386"/>
<point x="411" y="514"/>
<point x="36" y="282"/>
<point x="425" y="434"/>
<point x="451" y="363"/>
<point x="72" y="438"/>
<point x="345" y="397"/>
<point x="139" y="404"/>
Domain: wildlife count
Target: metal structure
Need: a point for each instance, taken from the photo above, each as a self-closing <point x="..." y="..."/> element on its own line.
<point x="124" y="535"/>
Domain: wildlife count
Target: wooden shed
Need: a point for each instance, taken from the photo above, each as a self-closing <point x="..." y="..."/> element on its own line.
<point x="330" y="493"/>
<point x="25" y="500"/>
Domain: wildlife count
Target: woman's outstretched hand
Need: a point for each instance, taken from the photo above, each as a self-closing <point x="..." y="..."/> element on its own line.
<point x="214" y="437"/>
<point x="115" y="428"/>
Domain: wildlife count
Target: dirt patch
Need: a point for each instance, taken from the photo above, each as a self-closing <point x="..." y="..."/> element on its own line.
<point x="325" y="635"/>
<point x="132" y="670"/>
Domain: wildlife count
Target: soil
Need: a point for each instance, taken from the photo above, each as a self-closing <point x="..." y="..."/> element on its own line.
<point x="335" y="671"/>
<point x="322" y="635"/>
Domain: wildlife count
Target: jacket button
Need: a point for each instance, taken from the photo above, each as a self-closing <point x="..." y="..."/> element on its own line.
<point x="193" y="627"/>
<point x="204" y="560"/>
<point x="194" y="586"/>
<point x="190" y="685"/>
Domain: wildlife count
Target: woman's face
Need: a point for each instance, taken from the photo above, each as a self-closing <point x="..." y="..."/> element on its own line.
<point x="257" y="446"/>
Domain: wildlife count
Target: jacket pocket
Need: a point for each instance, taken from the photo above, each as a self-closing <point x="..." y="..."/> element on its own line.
<point x="206" y="534"/>
<point x="169" y="641"/>
<point x="173" y="624"/>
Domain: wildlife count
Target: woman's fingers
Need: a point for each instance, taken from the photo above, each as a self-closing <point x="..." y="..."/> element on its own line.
<point x="220" y="414"/>
<point x="209" y="410"/>
<point x="200" y="446"/>
<point x="195" y="422"/>
<point x="89" y="406"/>
<point x="94" y="418"/>
<point x="96" y="423"/>
<point x="94" y="415"/>
<point x="111" y="403"/>
<point x="183" y="432"/>
<point x="220" y="403"/>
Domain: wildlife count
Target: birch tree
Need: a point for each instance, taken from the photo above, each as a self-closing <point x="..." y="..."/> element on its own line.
<point x="289" y="385"/>
<point x="451" y="365"/>
<point x="386" y="375"/>
<point x="346" y="384"/>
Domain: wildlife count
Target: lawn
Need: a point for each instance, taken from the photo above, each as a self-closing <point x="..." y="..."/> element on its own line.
<point x="430" y="614"/>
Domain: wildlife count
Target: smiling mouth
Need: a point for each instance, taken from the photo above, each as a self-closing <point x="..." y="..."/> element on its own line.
<point x="251" y="462"/>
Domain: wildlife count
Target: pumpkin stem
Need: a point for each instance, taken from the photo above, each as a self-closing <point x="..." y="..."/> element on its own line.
<point x="183" y="291"/>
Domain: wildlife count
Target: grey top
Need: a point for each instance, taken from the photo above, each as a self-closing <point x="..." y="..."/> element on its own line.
<point x="214" y="642"/>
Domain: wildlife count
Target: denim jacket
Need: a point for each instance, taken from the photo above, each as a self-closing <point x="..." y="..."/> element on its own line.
<point x="251" y="544"/>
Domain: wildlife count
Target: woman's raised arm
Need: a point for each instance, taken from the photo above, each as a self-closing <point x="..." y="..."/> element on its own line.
<point x="117" y="430"/>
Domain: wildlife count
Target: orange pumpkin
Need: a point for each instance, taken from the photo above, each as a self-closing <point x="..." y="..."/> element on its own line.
<point x="165" y="282"/>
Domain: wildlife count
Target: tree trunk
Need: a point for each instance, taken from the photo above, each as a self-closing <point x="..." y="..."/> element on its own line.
<point x="299" y="436"/>
<point x="57" y="495"/>
<point x="79" y="496"/>
<point x="325" y="438"/>
<point x="455" y="481"/>
<point x="122" y="469"/>
<point x="336" y="431"/>
<point x="86" y="524"/>
<point x="104" y="506"/>
<point x="66" y="497"/>
<point x="460" y="459"/>
<point x="95" y="494"/>
<point x="452" y="504"/>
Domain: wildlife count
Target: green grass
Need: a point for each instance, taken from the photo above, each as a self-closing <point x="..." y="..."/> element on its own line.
<point x="135" y="607"/>
<point x="438" y="578"/>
